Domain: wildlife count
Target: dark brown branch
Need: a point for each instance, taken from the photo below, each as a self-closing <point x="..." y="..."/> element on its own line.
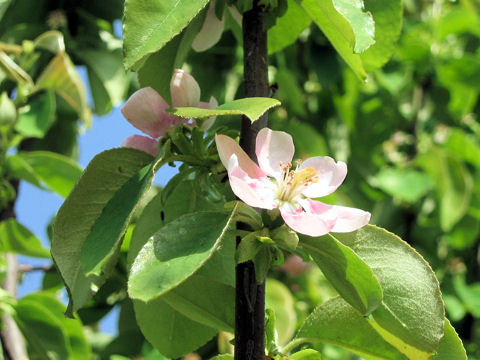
<point x="250" y="296"/>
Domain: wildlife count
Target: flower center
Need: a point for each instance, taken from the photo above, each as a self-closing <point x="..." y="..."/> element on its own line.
<point x="293" y="182"/>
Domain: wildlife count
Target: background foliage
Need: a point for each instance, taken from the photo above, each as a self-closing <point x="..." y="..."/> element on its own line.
<point x="409" y="134"/>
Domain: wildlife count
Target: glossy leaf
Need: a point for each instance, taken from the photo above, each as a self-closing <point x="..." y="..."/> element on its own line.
<point x="60" y="76"/>
<point x="50" y="40"/>
<point x="412" y="312"/>
<point x="38" y="116"/>
<point x="106" y="174"/>
<point x="349" y="274"/>
<point x="16" y="238"/>
<point x="252" y="108"/>
<point x="336" y="322"/>
<point x="56" y="172"/>
<point x="150" y="24"/>
<point x="165" y="262"/>
<point x="8" y="111"/>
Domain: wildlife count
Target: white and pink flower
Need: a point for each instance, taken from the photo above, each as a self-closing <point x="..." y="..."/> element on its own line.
<point x="275" y="184"/>
<point x="145" y="110"/>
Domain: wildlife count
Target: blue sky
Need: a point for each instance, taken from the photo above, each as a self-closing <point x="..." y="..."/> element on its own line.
<point x="35" y="208"/>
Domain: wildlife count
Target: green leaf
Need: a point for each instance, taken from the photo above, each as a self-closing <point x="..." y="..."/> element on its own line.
<point x="205" y="301"/>
<point x="361" y="22"/>
<point x="107" y="231"/>
<point x="150" y="24"/>
<point x="288" y="27"/>
<point x="405" y="184"/>
<point x="280" y="300"/>
<point x="451" y="346"/>
<point x="172" y="333"/>
<point x="223" y="357"/>
<point x="307" y="354"/>
<point x="38" y="116"/>
<point x="348" y="274"/>
<point x="107" y="77"/>
<point x="173" y="254"/>
<point x="463" y="145"/>
<point x="60" y="76"/>
<point x="13" y="71"/>
<point x="339" y="31"/>
<point x="16" y="238"/>
<point x="164" y="208"/>
<point x="412" y="312"/>
<point x="336" y="322"/>
<point x="76" y="341"/>
<point x="57" y="172"/>
<point x="252" y="108"/>
<point x="469" y="294"/>
<point x="46" y="337"/>
<point x="454" y="184"/>
<point x="388" y="17"/>
<point x="52" y="41"/>
<point x="106" y="174"/>
<point x="8" y="111"/>
<point x="158" y="68"/>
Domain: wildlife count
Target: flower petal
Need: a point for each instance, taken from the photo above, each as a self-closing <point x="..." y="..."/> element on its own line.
<point x="212" y="104"/>
<point x="272" y="149"/>
<point x="211" y="31"/>
<point x="141" y="143"/>
<point x="307" y="223"/>
<point x="256" y="192"/>
<point x="227" y="147"/>
<point x="347" y="219"/>
<point x="145" y="110"/>
<point x="184" y="89"/>
<point x="330" y="175"/>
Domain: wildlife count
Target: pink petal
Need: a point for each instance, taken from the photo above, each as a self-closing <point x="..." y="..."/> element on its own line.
<point x="347" y="219"/>
<point x="274" y="148"/>
<point x="184" y="89"/>
<point x="212" y="104"/>
<point x="330" y="175"/>
<point x="227" y="147"/>
<point x="211" y="31"/>
<point x="307" y="223"/>
<point x="145" y="110"/>
<point x="256" y="192"/>
<point x="142" y="143"/>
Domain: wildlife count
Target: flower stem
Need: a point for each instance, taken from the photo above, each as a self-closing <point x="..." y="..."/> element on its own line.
<point x="250" y="296"/>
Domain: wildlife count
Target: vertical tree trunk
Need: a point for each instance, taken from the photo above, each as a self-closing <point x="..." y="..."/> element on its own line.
<point x="250" y="297"/>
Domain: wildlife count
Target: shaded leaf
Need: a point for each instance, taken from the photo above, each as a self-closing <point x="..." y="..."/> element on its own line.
<point x="38" y="116"/>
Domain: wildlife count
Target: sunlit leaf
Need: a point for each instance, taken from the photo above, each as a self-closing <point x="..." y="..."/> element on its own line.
<point x="150" y="24"/>
<point x="252" y="108"/>
<point x="16" y="238"/>
<point x="60" y="75"/>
